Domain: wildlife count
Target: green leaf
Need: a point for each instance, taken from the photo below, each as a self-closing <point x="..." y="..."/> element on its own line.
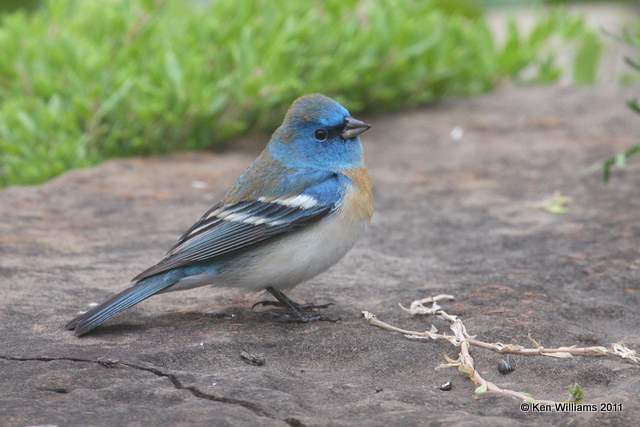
<point x="576" y="393"/>
<point x="174" y="72"/>
<point x="26" y="121"/>
<point x="619" y="160"/>
<point x="585" y="67"/>
<point x="632" y="63"/>
<point x="634" y="105"/>
<point x="556" y="204"/>
<point x="116" y="97"/>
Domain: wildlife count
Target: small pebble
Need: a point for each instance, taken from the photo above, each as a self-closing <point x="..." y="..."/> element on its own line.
<point x="251" y="358"/>
<point x="199" y="185"/>
<point x="456" y="134"/>
<point x="446" y="386"/>
<point x="506" y="366"/>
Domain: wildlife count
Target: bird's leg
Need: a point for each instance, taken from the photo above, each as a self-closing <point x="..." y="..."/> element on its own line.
<point x="293" y="307"/>
<point x="297" y="310"/>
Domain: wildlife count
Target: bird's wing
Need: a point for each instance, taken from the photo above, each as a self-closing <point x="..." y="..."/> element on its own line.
<point x="231" y="227"/>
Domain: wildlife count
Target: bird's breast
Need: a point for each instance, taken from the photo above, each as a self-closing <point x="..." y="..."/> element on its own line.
<point x="358" y="201"/>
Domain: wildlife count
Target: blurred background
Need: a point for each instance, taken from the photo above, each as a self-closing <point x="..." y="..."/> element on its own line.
<point x="84" y="81"/>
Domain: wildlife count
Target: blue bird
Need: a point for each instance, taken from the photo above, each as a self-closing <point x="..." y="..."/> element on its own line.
<point x="295" y="212"/>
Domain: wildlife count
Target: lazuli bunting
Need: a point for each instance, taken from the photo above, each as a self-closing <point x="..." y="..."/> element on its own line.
<point x="295" y="212"/>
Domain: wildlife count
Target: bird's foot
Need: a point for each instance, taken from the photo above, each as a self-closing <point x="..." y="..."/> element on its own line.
<point x="300" y="313"/>
<point x="309" y="306"/>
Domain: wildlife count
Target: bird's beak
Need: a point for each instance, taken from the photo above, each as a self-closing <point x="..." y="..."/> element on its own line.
<point x="353" y="127"/>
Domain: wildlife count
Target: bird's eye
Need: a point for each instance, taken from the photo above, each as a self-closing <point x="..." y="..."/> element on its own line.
<point x="321" y="134"/>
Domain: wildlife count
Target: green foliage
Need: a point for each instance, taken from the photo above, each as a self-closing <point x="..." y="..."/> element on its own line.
<point x="586" y="62"/>
<point x="536" y="50"/>
<point x="619" y="160"/>
<point x="13" y="5"/>
<point x="576" y="393"/>
<point x="81" y="81"/>
<point x="632" y="38"/>
<point x="536" y="3"/>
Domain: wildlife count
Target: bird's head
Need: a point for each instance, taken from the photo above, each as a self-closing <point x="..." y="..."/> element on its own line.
<point x="318" y="132"/>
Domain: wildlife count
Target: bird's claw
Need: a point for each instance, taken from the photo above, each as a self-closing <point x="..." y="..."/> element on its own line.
<point x="312" y="306"/>
<point x="267" y="303"/>
<point x="289" y="317"/>
<point x="309" y="306"/>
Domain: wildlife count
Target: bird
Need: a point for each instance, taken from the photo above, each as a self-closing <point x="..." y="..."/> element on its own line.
<point x="293" y="213"/>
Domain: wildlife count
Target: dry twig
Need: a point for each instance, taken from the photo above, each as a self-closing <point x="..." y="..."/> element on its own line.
<point x="463" y="341"/>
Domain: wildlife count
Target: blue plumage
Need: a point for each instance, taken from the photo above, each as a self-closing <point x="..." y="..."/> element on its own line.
<point x="296" y="211"/>
<point x="296" y="145"/>
<point x="122" y="301"/>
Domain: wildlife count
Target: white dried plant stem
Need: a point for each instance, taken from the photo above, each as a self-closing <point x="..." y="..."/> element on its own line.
<point x="615" y="350"/>
<point x="463" y="341"/>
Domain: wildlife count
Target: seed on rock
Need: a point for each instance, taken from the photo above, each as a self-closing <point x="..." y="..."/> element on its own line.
<point x="506" y="366"/>
<point x="446" y="386"/>
<point x="251" y="358"/>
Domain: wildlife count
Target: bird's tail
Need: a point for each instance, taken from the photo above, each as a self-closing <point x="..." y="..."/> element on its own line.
<point x="126" y="299"/>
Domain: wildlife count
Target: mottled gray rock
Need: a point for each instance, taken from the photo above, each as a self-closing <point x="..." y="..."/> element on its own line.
<point x="456" y="217"/>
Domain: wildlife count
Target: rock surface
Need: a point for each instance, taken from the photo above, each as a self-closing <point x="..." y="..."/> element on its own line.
<point x="461" y="217"/>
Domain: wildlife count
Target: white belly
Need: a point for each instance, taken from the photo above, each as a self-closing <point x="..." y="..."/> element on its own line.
<point x="293" y="259"/>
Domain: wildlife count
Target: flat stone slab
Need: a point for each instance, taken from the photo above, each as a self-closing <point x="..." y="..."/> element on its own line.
<point x="457" y="216"/>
